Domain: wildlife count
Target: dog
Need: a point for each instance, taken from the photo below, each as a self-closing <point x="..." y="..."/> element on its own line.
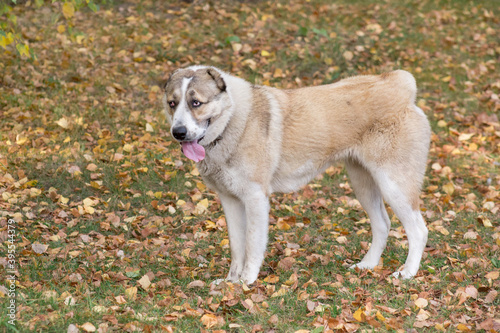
<point x="249" y="141"/>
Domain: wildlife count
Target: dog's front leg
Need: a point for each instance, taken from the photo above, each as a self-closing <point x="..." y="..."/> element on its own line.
<point x="257" y="216"/>
<point x="236" y="227"/>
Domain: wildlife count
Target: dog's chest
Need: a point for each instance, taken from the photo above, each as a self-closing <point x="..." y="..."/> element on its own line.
<point x="220" y="176"/>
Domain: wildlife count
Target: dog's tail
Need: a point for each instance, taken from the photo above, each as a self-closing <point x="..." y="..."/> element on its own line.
<point x="406" y="82"/>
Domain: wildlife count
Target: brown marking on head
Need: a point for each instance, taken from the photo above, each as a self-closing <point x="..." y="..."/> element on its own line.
<point x="217" y="78"/>
<point x="206" y="85"/>
<point x="173" y="87"/>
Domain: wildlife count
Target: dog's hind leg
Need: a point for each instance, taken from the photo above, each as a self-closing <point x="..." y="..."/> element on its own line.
<point x="234" y="210"/>
<point x="368" y="194"/>
<point x="400" y="191"/>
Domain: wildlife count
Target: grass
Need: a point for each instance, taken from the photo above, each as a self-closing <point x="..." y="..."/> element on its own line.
<point x="89" y="169"/>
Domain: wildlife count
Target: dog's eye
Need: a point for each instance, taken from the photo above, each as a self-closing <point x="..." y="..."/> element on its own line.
<point x="195" y="103"/>
<point x="171" y="104"/>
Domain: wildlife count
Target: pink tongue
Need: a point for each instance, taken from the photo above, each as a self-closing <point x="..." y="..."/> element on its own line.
<point x="193" y="151"/>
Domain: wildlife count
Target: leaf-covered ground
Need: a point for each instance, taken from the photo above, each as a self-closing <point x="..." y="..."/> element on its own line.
<point x="116" y="231"/>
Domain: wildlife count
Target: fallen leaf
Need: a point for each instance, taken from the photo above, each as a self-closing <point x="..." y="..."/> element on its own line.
<point x="492" y="275"/>
<point x="72" y="329"/>
<point x="63" y="122"/>
<point x="144" y="282"/>
<point x="88" y="327"/>
<point x="39" y="248"/>
<point x="131" y="293"/>
<point x="421" y="303"/>
<point x="492" y="295"/>
<point x="196" y="284"/>
<point x="210" y="320"/>
<point x="68" y="10"/>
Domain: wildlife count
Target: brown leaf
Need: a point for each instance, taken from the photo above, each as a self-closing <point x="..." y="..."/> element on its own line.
<point x="88" y="327"/>
<point x="210" y="320"/>
<point x="286" y="264"/>
<point x="196" y="284"/>
<point x="490" y="298"/>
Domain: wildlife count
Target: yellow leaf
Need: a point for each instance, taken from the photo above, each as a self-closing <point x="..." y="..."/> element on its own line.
<point x="4" y="41"/>
<point x="203" y="203"/>
<point x="89" y="210"/>
<point x="23" y="49"/>
<point x="264" y="53"/>
<point x="272" y="279"/>
<point x="440" y="327"/>
<point x="63" y="122"/>
<point x="131" y="293"/>
<point x="449" y="188"/>
<point x="88" y="202"/>
<point x="443" y="230"/>
<point x="472" y="147"/>
<point x="201" y="186"/>
<point x="463" y="328"/>
<point x="209" y="320"/>
<point x="79" y="39"/>
<point x="20" y="140"/>
<point x="442" y="123"/>
<point x="61" y="28"/>
<point x="278" y="72"/>
<point x="68" y="10"/>
<point x="282" y="225"/>
<point x="465" y="136"/>
<point x="224" y="242"/>
<point x="359" y="315"/>
<point x="487" y="222"/>
<point x="380" y="317"/>
<point x="128" y="148"/>
<point x="281" y="292"/>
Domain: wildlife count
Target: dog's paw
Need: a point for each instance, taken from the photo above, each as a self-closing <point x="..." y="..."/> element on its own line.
<point x="362" y="265"/>
<point x="249" y="277"/>
<point x="405" y="275"/>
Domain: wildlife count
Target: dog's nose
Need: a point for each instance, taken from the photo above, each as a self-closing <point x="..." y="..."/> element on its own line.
<point x="179" y="132"/>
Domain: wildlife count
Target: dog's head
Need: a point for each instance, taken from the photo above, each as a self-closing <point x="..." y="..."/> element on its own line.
<point x="194" y="99"/>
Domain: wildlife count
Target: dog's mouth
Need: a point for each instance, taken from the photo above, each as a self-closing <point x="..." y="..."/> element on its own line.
<point x="193" y="150"/>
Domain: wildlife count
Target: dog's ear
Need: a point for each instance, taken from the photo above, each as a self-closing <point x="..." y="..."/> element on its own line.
<point x="219" y="81"/>
<point x="163" y="83"/>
